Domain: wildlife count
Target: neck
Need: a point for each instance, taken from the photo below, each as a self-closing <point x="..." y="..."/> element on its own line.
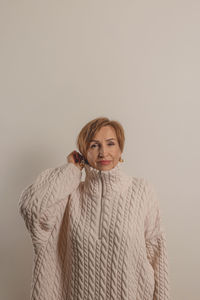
<point x="111" y="180"/>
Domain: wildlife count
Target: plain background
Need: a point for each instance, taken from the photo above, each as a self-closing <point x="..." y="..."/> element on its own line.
<point x="64" y="63"/>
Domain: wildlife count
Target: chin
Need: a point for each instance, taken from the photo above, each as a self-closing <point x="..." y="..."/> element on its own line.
<point x="106" y="167"/>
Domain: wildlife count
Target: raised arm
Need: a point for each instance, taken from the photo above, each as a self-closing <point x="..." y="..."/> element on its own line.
<point x="156" y="244"/>
<point x="40" y="201"/>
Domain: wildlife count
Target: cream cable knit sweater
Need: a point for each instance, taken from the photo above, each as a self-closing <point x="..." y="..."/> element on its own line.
<point x="100" y="238"/>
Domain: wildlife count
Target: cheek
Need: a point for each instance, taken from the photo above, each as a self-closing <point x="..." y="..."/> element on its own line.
<point x="116" y="153"/>
<point x="90" y="155"/>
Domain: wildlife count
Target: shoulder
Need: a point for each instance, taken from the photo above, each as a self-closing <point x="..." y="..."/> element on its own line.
<point x="141" y="182"/>
<point x="138" y="185"/>
<point x="151" y="195"/>
<point x="149" y="185"/>
<point x="144" y="186"/>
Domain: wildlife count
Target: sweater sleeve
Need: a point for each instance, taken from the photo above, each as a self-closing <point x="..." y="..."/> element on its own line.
<point x="40" y="202"/>
<point x="156" y="245"/>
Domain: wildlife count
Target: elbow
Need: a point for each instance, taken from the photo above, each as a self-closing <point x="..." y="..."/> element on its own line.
<point x="24" y="201"/>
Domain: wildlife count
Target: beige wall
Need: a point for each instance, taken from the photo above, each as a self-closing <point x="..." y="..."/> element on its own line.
<point x="63" y="63"/>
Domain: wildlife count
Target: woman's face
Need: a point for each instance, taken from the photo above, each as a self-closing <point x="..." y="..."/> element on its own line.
<point x="104" y="147"/>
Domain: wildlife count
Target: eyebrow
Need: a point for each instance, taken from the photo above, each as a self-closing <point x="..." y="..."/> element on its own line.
<point x="106" y="140"/>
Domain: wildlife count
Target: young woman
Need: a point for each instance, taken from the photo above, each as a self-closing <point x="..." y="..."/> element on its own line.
<point x="100" y="238"/>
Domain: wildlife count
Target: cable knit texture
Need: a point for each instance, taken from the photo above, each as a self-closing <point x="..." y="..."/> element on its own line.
<point x="97" y="239"/>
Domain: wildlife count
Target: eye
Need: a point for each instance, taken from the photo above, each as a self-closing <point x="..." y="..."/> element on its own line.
<point x="93" y="145"/>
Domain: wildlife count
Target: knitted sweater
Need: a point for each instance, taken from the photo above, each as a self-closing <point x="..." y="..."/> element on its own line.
<point x="97" y="239"/>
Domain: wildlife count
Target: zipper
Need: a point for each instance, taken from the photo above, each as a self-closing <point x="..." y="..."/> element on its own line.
<point x="100" y="219"/>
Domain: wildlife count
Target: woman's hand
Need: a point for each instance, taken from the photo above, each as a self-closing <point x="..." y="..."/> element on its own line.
<point x="75" y="158"/>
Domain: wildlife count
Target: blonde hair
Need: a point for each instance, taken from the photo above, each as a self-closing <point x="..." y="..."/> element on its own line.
<point x="89" y="130"/>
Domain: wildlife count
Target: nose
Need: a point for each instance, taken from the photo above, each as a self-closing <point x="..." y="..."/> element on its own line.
<point x="101" y="151"/>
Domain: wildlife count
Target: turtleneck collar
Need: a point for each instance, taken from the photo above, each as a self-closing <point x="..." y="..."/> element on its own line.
<point x="111" y="180"/>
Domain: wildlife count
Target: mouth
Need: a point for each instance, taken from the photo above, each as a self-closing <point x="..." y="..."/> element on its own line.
<point x="104" y="162"/>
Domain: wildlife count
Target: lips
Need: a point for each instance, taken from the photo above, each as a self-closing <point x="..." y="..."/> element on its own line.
<point x="104" y="162"/>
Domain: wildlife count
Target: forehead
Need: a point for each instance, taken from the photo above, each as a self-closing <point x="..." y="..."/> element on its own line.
<point x="105" y="133"/>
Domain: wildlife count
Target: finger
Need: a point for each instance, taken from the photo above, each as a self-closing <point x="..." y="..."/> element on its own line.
<point x="77" y="157"/>
<point x="74" y="156"/>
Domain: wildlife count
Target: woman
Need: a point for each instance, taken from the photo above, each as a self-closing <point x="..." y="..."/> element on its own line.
<point x="100" y="238"/>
